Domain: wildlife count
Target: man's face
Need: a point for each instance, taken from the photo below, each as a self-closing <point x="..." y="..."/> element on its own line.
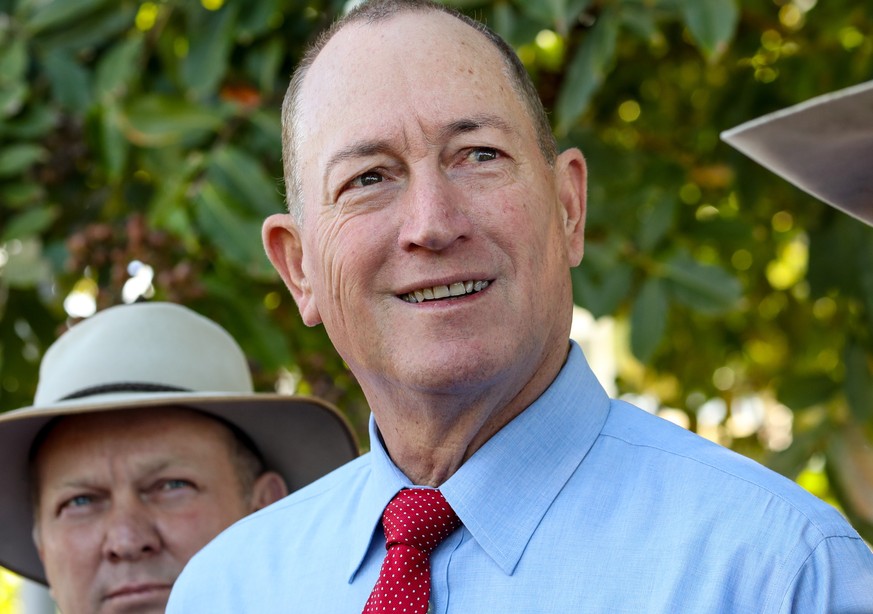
<point x="421" y="177"/>
<point x="125" y="499"/>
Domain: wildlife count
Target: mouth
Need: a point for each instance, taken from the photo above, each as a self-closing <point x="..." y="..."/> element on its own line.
<point x="441" y="292"/>
<point x="139" y="592"/>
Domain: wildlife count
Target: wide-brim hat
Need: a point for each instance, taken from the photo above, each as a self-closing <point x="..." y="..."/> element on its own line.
<point x="823" y="146"/>
<point x="150" y="355"/>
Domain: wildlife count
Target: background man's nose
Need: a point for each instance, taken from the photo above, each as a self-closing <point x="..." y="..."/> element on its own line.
<point x="130" y="533"/>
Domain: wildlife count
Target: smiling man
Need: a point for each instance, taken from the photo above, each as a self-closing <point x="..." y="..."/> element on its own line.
<point x="432" y="227"/>
<point x="145" y="441"/>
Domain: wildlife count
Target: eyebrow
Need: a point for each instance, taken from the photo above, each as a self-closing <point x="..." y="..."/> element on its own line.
<point x="364" y="149"/>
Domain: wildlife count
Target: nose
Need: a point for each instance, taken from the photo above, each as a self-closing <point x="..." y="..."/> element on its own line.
<point x="434" y="215"/>
<point x="131" y="532"/>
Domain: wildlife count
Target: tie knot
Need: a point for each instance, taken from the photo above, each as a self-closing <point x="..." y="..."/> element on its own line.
<point x="420" y="518"/>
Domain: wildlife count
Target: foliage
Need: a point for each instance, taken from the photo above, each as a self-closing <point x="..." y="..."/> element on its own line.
<point x="149" y="131"/>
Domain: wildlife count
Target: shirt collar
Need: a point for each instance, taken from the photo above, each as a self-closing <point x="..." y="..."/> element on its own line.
<point x="524" y="465"/>
<point x="527" y="463"/>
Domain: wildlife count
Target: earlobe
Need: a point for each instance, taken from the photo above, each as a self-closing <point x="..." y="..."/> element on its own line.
<point x="267" y="489"/>
<point x="284" y="247"/>
<point x="572" y="176"/>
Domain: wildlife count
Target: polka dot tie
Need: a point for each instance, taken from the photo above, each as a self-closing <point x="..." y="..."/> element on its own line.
<point x="415" y="522"/>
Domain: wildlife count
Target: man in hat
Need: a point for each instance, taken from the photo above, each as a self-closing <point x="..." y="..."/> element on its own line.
<point x="432" y="229"/>
<point x="144" y="441"/>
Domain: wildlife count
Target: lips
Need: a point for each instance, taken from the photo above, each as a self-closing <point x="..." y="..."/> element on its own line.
<point x="138" y="591"/>
<point x="435" y="293"/>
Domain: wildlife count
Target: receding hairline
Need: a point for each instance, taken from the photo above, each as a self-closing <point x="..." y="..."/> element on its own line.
<point x="383" y="11"/>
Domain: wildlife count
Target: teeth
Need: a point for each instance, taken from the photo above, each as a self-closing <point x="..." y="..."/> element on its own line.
<point x="459" y="288"/>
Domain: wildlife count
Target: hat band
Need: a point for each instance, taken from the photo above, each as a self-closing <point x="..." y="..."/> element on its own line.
<point x="122" y="387"/>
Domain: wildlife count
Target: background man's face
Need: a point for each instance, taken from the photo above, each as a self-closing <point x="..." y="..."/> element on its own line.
<point x="421" y="171"/>
<point x="125" y="499"/>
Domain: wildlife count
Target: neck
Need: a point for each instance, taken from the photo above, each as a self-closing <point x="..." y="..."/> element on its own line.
<point x="429" y="435"/>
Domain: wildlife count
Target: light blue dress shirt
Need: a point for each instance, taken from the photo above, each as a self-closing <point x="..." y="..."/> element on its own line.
<point x="580" y="504"/>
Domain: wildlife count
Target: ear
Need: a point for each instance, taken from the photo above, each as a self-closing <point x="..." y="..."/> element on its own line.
<point x="571" y="174"/>
<point x="284" y="247"/>
<point x="267" y="489"/>
<point x="37" y="541"/>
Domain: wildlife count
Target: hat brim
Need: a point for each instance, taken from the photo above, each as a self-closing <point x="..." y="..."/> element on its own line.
<point x="302" y="438"/>
<point x="823" y="146"/>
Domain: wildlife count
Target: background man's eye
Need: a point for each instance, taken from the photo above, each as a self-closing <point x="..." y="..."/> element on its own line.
<point x="79" y="501"/>
<point x="175" y="484"/>
<point x="483" y="154"/>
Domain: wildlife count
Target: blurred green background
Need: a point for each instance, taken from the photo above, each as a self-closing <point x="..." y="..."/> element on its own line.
<point x="140" y="152"/>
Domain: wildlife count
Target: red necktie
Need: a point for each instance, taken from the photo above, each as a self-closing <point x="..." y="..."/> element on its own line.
<point x="415" y="522"/>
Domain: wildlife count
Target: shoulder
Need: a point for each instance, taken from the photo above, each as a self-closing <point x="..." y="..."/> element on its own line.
<point x="692" y="461"/>
<point x="233" y="572"/>
<point x="315" y="504"/>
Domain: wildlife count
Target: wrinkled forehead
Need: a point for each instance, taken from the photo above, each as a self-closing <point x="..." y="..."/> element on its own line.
<point x="413" y="67"/>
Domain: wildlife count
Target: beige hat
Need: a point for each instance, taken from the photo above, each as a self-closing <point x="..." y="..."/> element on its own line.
<point x="153" y="355"/>
<point x="823" y="146"/>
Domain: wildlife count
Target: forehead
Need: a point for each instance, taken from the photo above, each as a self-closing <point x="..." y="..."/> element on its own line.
<point x="422" y="68"/>
<point x="135" y="434"/>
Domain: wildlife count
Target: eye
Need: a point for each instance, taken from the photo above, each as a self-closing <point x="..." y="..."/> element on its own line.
<point x="175" y="484"/>
<point x="482" y="154"/>
<point x="366" y="179"/>
<point x="77" y="504"/>
<point x="78" y="501"/>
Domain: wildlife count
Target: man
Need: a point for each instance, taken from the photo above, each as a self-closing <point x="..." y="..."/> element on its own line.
<point x="144" y="442"/>
<point x="432" y="231"/>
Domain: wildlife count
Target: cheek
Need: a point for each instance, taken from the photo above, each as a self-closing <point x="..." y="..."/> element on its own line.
<point x="345" y="258"/>
<point x="185" y="532"/>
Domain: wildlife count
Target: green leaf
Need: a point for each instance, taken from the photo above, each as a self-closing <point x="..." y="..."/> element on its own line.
<point x="71" y="84"/>
<point x="601" y="294"/>
<point x="16" y="195"/>
<point x="12" y="98"/>
<point x="264" y="63"/>
<point x="859" y="383"/>
<point x="242" y="176"/>
<point x="705" y="288"/>
<point x="208" y="52"/>
<point x="656" y="218"/>
<point x="13" y="61"/>
<point x="29" y="223"/>
<point x="118" y="66"/>
<point x="802" y="391"/>
<point x="640" y="20"/>
<point x="712" y="23"/>
<point x="114" y="146"/>
<point x="156" y="120"/>
<point x="236" y="237"/>
<point x="17" y="158"/>
<point x="35" y="123"/>
<point x="648" y="319"/>
<point x="57" y="13"/>
<point x="589" y="66"/>
<point x="558" y="14"/>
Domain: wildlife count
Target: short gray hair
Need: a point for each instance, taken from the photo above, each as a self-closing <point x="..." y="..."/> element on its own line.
<point x="382" y="10"/>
